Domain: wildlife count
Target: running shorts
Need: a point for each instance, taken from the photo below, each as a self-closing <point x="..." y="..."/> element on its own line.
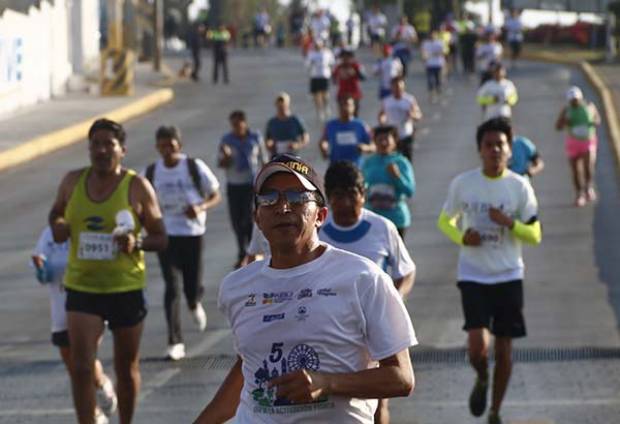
<point x="120" y="310"/>
<point x="575" y="147"/>
<point x="318" y="84"/>
<point x="515" y="47"/>
<point x="498" y="307"/>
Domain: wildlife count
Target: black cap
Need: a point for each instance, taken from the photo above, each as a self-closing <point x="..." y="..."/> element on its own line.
<point x="295" y="165"/>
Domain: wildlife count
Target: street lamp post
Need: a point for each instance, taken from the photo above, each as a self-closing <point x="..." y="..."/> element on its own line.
<point x="158" y="30"/>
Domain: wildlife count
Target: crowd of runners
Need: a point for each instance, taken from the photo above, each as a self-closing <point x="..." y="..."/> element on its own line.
<point x="319" y="325"/>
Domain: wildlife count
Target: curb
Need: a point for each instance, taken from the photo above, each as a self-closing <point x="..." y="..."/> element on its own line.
<point x="611" y="114"/>
<point x="64" y="137"/>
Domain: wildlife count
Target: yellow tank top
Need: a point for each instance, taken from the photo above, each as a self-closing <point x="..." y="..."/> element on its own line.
<point x="95" y="265"/>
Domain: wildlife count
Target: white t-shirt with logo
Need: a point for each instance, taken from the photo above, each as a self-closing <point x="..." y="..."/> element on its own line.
<point x="373" y="237"/>
<point x="499" y="257"/>
<point x="434" y="52"/>
<point x="176" y="190"/>
<point x="320" y="63"/>
<point x="503" y="90"/>
<point x="338" y="313"/>
<point x="377" y="23"/>
<point x="398" y="113"/>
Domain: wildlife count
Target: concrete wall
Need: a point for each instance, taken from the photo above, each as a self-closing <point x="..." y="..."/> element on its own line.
<point x="41" y="49"/>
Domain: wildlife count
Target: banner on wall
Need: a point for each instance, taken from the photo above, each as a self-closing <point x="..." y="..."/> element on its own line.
<point x="10" y="61"/>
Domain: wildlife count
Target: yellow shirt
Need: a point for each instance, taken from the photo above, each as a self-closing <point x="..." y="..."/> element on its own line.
<point x="95" y="265"/>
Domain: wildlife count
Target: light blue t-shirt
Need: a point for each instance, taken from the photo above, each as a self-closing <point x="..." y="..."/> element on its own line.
<point x="343" y="139"/>
<point x="523" y="153"/>
<point x="387" y="195"/>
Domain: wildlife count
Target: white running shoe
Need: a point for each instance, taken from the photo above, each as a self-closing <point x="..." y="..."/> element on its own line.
<point x="200" y="317"/>
<point x="100" y="417"/>
<point x="175" y="352"/>
<point x="106" y="397"/>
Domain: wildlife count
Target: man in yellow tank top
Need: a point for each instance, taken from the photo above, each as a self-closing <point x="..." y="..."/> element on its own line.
<point x="102" y="210"/>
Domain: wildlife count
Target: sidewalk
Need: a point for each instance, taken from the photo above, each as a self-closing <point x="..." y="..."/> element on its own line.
<point x="605" y="77"/>
<point x="42" y="128"/>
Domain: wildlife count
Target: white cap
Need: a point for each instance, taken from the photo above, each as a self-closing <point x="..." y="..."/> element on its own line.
<point x="574" y="93"/>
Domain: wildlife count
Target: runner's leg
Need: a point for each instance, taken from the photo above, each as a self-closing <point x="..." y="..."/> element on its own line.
<point x="502" y="371"/>
<point x="478" y="351"/>
<point x="84" y="333"/>
<point x="127" y="367"/>
<point x="172" y="295"/>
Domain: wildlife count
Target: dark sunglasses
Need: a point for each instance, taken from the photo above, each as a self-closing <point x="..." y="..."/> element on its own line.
<point x="271" y="198"/>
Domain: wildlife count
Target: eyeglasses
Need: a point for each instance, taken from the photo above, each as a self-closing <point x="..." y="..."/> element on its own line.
<point x="293" y="198"/>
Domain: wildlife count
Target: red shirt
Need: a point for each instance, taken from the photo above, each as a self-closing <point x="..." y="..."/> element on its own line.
<point x="347" y="76"/>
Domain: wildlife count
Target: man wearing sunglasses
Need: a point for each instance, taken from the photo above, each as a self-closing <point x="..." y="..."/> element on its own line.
<point x="320" y="333"/>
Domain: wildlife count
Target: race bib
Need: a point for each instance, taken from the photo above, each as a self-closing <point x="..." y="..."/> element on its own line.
<point x="382" y="196"/>
<point x="346" y="138"/>
<point x="97" y="247"/>
<point x="581" y="132"/>
<point x="491" y="233"/>
<point x="282" y="146"/>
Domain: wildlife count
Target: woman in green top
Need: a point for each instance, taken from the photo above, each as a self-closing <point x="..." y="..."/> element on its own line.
<point x="580" y="119"/>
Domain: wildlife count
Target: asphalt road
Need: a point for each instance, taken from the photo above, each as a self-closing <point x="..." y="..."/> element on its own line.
<point x="566" y="370"/>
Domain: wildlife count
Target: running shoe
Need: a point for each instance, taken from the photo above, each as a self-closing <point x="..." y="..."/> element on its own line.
<point x="591" y="195"/>
<point x="106" y="397"/>
<point x="100" y="417"/>
<point x="200" y="317"/>
<point x="494" y="418"/>
<point x="175" y="352"/>
<point x="580" y="201"/>
<point x="478" y="397"/>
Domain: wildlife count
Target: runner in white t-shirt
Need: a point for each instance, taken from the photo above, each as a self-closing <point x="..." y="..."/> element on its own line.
<point x="186" y="188"/>
<point x="488" y="52"/>
<point x="498" y="95"/>
<point x="498" y="211"/>
<point x="434" y="55"/>
<point x="320" y="333"/>
<point x="401" y="111"/>
<point x="386" y="69"/>
<point x="320" y="63"/>
<point x="50" y="260"/>
<point x="514" y="34"/>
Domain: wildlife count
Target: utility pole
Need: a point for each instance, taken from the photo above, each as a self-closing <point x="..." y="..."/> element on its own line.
<point x="158" y="33"/>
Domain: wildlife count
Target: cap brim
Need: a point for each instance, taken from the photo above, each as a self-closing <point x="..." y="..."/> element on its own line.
<point x="276" y="167"/>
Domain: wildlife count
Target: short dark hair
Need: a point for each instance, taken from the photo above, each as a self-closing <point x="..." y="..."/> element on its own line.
<point x="109" y="125"/>
<point x="385" y="129"/>
<point x="397" y="78"/>
<point x="168" y="132"/>
<point x="502" y="125"/>
<point x="237" y="114"/>
<point x="343" y="175"/>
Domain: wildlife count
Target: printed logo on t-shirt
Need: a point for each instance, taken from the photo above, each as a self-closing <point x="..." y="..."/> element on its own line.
<point x="251" y="300"/>
<point x="273" y="317"/>
<point x="326" y="292"/>
<point x="94" y="223"/>
<point x="302" y="313"/>
<point x="304" y="293"/>
<point x="270" y="298"/>
<point x="277" y="363"/>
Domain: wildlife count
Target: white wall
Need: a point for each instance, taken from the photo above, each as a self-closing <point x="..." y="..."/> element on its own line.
<point x="52" y="42"/>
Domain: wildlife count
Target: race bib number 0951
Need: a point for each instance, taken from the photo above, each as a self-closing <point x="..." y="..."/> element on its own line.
<point x="96" y="247"/>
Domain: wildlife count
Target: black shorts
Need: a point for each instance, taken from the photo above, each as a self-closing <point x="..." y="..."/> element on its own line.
<point x="120" y="310"/>
<point x="515" y="47"/>
<point x="318" y="85"/>
<point x="498" y="307"/>
<point x="60" y="338"/>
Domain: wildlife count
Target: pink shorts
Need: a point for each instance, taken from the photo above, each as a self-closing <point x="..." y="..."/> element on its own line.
<point x="575" y="147"/>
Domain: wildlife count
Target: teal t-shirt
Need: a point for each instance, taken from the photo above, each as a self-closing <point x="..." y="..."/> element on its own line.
<point x="385" y="194"/>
